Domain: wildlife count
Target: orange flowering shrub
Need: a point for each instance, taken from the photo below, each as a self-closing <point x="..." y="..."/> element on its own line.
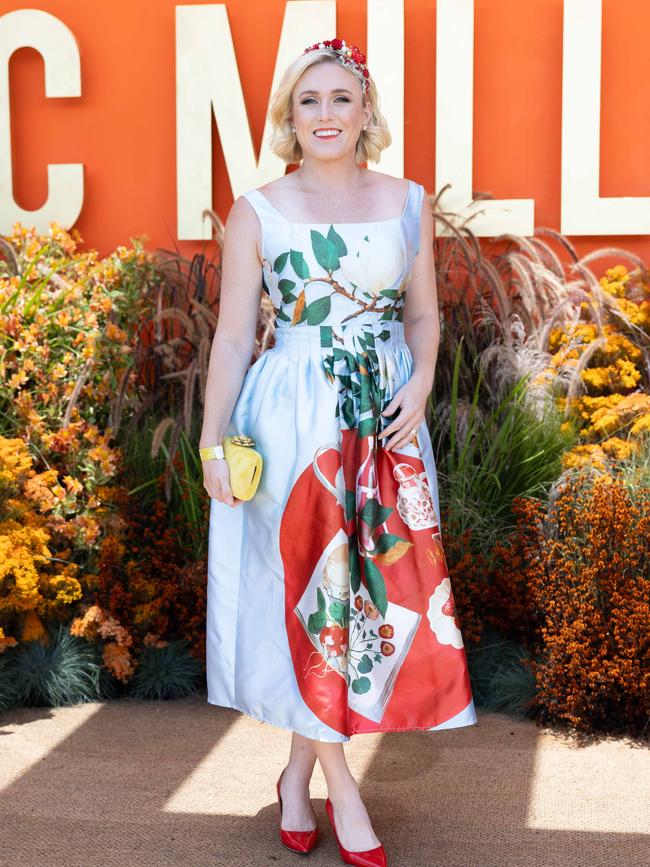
<point x="612" y="360"/>
<point x="147" y="582"/>
<point x="96" y="625"/>
<point x="467" y="569"/>
<point x="573" y="587"/>
<point x="68" y="323"/>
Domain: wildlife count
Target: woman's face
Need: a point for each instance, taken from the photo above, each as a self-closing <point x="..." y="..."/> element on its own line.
<point x="328" y="98"/>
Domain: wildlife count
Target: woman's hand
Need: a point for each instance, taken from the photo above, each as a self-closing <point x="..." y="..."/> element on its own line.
<point x="411" y="399"/>
<point x="216" y="481"/>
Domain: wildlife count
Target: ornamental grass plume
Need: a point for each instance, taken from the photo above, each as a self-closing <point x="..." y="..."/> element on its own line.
<point x="523" y="313"/>
<point x="517" y="309"/>
<point x="603" y="351"/>
<point x="174" y="352"/>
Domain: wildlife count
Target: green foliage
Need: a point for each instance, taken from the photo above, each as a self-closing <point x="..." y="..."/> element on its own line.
<point x="166" y="673"/>
<point x="486" y="456"/>
<point x="635" y="469"/>
<point x="188" y="499"/>
<point x="65" y="671"/>
<point x="499" y="678"/>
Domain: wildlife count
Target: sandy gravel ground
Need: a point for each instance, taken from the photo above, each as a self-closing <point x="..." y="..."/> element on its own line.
<point x="135" y="784"/>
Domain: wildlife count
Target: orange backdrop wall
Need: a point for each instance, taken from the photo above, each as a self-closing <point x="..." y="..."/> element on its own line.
<point x="123" y="127"/>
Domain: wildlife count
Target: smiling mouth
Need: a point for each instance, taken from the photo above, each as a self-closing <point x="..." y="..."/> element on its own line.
<point x="327" y="134"/>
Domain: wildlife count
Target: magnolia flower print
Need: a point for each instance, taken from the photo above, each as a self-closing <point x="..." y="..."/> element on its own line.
<point x="442" y="615"/>
<point x="272" y="283"/>
<point x="371" y="272"/>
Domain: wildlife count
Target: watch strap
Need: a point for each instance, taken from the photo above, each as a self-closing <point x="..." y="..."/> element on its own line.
<point x="210" y="453"/>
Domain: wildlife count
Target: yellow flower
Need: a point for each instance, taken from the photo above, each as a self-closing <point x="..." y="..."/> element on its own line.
<point x="64" y="589"/>
<point x="74" y="486"/>
<point x="18" y="379"/>
<point x="15" y="462"/>
<point x="89" y="349"/>
<point x="615" y="447"/>
<point x="63" y="318"/>
<point x="638" y="314"/>
<point x="58" y="371"/>
<point x="617" y="272"/>
<point x="106" y="304"/>
<point x="114" y="332"/>
<point x="585" y="454"/>
<point x="44" y="490"/>
<point x="641" y="425"/>
<point x="91" y="433"/>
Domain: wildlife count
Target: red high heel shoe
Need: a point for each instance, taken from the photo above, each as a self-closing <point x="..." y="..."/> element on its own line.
<point x="368" y="858"/>
<point x="301" y="842"/>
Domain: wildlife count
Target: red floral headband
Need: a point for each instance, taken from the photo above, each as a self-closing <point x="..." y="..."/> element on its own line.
<point x="348" y="55"/>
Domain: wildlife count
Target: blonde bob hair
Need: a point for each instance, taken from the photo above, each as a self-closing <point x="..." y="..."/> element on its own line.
<point x="284" y="143"/>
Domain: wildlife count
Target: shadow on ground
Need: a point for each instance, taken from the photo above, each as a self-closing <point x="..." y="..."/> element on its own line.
<point x="146" y="784"/>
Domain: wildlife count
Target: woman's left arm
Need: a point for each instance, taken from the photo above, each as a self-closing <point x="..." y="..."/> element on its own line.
<point x="422" y="334"/>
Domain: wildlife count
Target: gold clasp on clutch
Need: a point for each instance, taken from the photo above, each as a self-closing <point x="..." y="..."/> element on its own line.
<point x="242" y="440"/>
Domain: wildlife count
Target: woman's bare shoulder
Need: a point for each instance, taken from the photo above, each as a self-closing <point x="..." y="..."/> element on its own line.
<point x="388" y="187"/>
<point x="242" y="212"/>
<point x="243" y="225"/>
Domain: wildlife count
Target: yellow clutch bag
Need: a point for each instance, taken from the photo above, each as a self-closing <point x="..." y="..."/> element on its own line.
<point x="244" y="464"/>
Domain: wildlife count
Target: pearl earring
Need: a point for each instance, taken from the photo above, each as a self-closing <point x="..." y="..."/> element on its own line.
<point x="293" y="129"/>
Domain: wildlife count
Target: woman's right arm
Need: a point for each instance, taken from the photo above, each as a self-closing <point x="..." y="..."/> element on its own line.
<point x="234" y="338"/>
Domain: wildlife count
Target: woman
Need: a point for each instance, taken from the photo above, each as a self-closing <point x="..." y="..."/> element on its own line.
<point x="330" y="610"/>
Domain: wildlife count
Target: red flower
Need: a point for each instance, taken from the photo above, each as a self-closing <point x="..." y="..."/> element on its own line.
<point x="337" y="43"/>
<point x="449" y="607"/>
<point x="334" y="640"/>
<point x="387" y="648"/>
<point x="386" y="630"/>
<point x="371" y="610"/>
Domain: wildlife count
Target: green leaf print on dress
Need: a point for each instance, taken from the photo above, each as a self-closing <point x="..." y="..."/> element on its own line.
<point x="362" y="375"/>
<point x="378" y="283"/>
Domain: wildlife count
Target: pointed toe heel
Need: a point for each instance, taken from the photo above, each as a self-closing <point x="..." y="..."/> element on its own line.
<point x="369" y="858"/>
<point x="301" y="842"/>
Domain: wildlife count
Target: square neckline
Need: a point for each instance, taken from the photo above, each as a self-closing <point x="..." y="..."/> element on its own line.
<point x="342" y="223"/>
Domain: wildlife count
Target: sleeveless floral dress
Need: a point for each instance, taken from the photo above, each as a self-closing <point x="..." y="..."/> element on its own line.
<point x="330" y="608"/>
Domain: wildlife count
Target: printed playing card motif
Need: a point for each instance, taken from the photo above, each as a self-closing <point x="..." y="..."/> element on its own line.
<point x="351" y="636"/>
